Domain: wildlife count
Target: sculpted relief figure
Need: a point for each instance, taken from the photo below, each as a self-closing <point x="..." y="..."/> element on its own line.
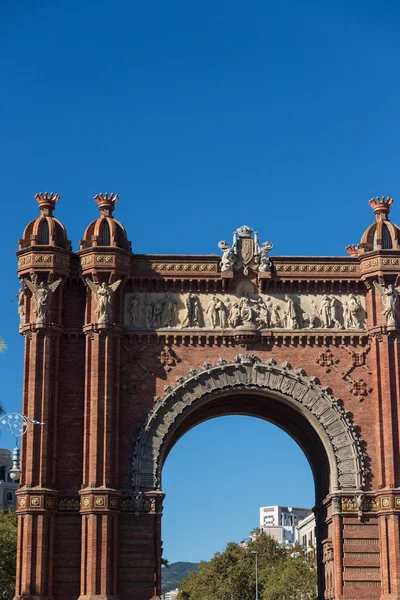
<point x="390" y="301"/>
<point x="218" y="313"/>
<point x="264" y="315"/>
<point x="352" y="311"/>
<point x="247" y="313"/>
<point x="104" y="295"/>
<point x="169" y="315"/>
<point x="313" y="315"/>
<point x="292" y="317"/>
<point x="21" y="305"/>
<point x="277" y="316"/>
<point x="212" y="311"/>
<point x="223" y="311"/>
<point x="134" y="310"/>
<point x="325" y="312"/>
<point x="42" y="296"/>
<point x="154" y="314"/>
<point x="234" y="315"/>
<point x="336" y="313"/>
<point x="193" y="312"/>
<point x="158" y="309"/>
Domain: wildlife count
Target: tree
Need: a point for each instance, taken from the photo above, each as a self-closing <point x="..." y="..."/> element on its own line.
<point x="8" y="555"/>
<point x="284" y="574"/>
<point x="291" y="579"/>
<point x="3" y="346"/>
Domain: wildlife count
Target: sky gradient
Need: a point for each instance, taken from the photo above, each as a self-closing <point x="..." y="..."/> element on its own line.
<point x="203" y="117"/>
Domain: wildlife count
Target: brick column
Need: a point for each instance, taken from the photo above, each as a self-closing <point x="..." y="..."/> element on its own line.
<point x="140" y="546"/>
<point x="36" y="498"/>
<point x="99" y="494"/>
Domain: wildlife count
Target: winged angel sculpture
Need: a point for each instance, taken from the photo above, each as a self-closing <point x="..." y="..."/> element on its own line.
<point x="104" y="295"/>
<point x="390" y="301"/>
<point x="42" y="294"/>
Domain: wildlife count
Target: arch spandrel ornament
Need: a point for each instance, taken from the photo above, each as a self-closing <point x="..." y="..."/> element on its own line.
<point x="249" y="374"/>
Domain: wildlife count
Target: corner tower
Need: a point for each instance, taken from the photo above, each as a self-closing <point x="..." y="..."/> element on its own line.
<point x="105" y="264"/>
<point x="44" y="262"/>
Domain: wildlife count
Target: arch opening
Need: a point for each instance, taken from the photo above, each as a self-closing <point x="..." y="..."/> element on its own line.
<point x="289" y="398"/>
<point x="225" y="470"/>
<point x="267" y="408"/>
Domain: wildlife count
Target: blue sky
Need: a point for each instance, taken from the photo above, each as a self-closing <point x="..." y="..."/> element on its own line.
<point x="202" y="117"/>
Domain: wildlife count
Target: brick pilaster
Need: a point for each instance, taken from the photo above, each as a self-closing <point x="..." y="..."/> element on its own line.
<point x="99" y="496"/>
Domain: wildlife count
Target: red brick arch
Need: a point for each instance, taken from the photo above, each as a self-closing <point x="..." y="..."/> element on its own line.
<point x="198" y="396"/>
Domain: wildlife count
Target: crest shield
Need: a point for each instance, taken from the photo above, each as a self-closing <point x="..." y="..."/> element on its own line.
<point x="246" y="250"/>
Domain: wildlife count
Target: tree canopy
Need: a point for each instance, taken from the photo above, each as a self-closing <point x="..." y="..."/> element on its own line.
<point x="283" y="574"/>
<point x="8" y="554"/>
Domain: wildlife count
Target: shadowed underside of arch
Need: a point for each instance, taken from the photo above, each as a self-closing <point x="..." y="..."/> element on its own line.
<point x="287" y="397"/>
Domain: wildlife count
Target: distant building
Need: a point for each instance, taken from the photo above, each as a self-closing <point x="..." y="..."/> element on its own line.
<point x="280" y="522"/>
<point x="172" y="595"/>
<point x="7" y="485"/>
<point x="306" y="532"/>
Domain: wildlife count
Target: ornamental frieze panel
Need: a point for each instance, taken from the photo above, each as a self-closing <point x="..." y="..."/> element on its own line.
<point x="244" y="310"/>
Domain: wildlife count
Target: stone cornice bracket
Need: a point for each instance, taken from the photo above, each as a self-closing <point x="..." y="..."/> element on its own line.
<point x="324" y="412"/>
<point x="106" y="203"/>
<point x="47" y="202"/>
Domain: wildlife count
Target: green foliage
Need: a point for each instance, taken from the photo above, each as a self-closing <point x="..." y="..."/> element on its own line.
<point x="3" y="345"/>
<point x="283" y="574"/>
<point x="8" y="553"/>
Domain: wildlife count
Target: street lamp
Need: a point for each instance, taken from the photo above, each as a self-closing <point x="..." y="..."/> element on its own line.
<point x="256" y="557"/>
<point x="17" y="425"/>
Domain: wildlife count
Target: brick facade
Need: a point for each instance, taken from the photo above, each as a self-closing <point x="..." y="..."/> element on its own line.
<point x="85" y="529"/>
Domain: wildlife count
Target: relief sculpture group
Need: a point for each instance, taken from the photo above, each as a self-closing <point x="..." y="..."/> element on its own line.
<point x="253" y="311"/>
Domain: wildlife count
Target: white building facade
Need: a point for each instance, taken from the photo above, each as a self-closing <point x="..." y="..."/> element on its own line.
<point x="8" y="487"/>
<point x="306" y="532"/>
<point x="172" y="595"/>
<point x="280" y="522"/>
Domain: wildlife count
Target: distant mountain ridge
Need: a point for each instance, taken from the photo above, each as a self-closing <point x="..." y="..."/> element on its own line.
<point x="174" y="573"/>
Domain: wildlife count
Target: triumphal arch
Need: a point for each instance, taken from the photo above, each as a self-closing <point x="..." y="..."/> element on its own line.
<point x="124" y="353"/>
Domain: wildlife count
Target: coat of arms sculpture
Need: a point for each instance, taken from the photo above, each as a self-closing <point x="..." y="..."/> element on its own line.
<point x="245" y="252"/>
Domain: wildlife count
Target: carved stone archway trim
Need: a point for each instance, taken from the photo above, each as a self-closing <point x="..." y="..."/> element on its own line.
<point x="248" y="373"/>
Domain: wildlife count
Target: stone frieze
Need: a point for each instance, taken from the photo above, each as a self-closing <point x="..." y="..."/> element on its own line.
<point x="244" y="310"/>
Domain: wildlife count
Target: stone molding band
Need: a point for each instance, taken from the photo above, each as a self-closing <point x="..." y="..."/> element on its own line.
<point x="249" y="373"/>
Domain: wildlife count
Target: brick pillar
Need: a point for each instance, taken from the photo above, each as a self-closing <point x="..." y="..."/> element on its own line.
<point x="155" y="500"/>
<point x="36" y="498"/>
<point x="99" y="493"/>
<point x="337" y="544"/>
<point x="390" y="555"/>
<point x="140" y="546"/>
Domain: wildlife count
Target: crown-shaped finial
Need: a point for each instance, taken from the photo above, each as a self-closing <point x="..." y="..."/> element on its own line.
<point x="352" y="249"/>
<point x="47" y="202"/>
<point x="244" y="231"/>
<point x="381" y="207"/>
<point x="106" y="203"/>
